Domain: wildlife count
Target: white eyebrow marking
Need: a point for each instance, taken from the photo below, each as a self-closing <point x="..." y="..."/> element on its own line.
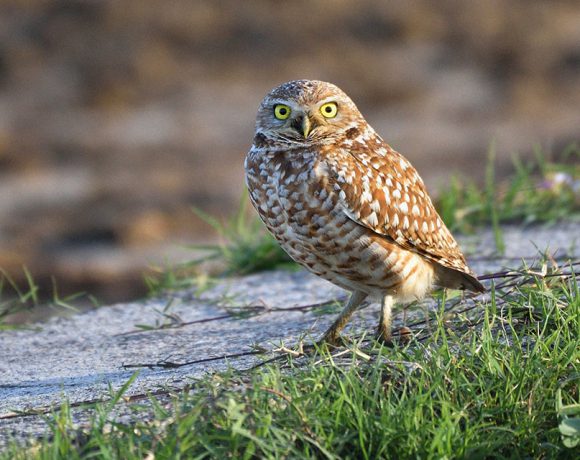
<point x="290" y="103"/>
<point x="328" y="99"/>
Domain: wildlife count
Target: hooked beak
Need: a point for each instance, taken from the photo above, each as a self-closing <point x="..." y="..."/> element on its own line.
<point x="306" y="126"/>
<point x="303" y="125"/>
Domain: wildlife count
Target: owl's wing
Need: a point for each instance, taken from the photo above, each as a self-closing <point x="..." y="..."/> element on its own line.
<point x="382" y="191"/>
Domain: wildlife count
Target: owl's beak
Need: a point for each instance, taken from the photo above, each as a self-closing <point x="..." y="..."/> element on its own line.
<point x="303" y="125"/>
<point x="306" y="126"/>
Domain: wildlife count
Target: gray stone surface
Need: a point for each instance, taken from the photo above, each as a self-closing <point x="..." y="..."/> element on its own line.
<point x="80" y="358"/>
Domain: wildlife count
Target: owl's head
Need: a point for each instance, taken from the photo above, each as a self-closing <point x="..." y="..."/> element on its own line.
<point x="306" y="112"/>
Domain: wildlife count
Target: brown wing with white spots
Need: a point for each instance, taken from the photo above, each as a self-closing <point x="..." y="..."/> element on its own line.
<point x="382" y="191"/>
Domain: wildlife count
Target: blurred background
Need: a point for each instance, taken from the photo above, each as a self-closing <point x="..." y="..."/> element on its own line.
<point x="116" y="117"/>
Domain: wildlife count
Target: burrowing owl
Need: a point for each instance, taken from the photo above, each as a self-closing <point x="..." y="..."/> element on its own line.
<point x="345" y="205"/>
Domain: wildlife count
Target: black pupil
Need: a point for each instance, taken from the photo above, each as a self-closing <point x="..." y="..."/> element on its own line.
<point x="282" y="111"/>
<point x="328" y="109"/>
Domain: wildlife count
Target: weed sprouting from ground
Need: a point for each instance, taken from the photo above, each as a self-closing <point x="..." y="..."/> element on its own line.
<point x="246" y="246"/>
<point x="15" y="299"/>
<point x="537" y="191"/>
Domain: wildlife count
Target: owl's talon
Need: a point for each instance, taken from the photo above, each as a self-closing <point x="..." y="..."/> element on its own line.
<point x="384" y="336"/>
<point x="332" y="340"/>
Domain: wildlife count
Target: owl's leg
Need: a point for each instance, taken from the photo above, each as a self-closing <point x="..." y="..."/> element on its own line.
<point x="384" y="329"/>
<point x="332" y="335"/>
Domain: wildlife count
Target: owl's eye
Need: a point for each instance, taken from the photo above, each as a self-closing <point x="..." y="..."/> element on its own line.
<point x="329" y="110"/>
<point x="281" y="111"/>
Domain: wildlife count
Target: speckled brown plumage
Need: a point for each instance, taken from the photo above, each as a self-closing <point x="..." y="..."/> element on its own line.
<point x="345" y="205"/>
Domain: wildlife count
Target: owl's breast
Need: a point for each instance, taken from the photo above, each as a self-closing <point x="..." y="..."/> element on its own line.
<point x="289" y="192"/>
<point x="295" y="201"/>
<point x="301" y="206"/>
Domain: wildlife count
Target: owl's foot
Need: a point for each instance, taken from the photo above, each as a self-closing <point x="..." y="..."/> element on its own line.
<point x="332" y="335"/>
<point x="404" y="336"/>
<point x="384" y="335"/>
<point x="331" y="338"/>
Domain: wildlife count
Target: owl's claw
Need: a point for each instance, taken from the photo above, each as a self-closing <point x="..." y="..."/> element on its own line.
<point x="331" y="339"/>
<point x="404" y="336"/>
<point x="384" y="336"/>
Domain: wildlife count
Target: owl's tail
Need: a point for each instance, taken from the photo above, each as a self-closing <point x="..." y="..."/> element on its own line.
<point x="455" y="279"/>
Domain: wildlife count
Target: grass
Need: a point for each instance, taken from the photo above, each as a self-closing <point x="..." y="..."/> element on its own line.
<point x="503" y="383"/>
<point x="248" y="248"/>
<point x="537" y="191"/>
<point x="15" y="299"/>
<point x="245" y="247"/>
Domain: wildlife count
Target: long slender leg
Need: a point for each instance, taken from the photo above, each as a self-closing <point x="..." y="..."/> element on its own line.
<point x="332" y="334"/>
<point x="384" y="329"/>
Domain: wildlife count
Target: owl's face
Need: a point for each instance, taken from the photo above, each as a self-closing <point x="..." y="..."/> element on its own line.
<point x="306" y="112"/>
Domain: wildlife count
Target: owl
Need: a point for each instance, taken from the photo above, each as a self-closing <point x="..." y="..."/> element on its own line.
<point x="345" y="205"/>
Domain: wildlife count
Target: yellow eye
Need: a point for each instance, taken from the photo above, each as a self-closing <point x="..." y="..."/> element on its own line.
<point x="329" y="110"/>
<point x="281" y="111"/>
